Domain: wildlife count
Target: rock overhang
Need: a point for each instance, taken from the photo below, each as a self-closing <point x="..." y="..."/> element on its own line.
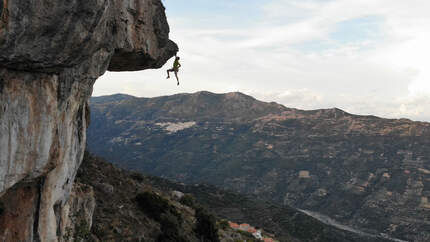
<point x="49" y="36"/>
<point x="51" y="53"/>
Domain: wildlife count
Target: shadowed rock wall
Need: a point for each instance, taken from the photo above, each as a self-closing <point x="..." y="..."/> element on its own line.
<point x="51" y="53"/>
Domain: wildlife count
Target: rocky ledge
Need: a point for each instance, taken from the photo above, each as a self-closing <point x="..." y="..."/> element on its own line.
<point x="51" y="53"/>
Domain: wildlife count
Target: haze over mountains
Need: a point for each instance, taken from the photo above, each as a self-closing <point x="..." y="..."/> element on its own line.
<point x="363" y="171"/>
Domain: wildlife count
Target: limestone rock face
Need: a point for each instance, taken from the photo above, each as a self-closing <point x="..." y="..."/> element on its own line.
<point x="51" y="53"/>
<point x="49" y="36"/>
<point x="77" y="215"/>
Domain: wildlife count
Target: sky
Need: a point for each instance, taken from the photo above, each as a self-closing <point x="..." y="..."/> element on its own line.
<point x="368" y="57"/>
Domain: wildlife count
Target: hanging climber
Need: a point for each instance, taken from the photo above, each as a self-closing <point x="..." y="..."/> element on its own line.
<point x="175" y="69"/>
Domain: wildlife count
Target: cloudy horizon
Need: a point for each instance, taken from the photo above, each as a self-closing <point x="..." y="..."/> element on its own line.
<point x="366" y="57"/>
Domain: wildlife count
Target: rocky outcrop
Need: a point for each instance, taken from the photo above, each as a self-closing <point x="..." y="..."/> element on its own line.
<point x="51" y="53"/>
<point x="77" y="215"/>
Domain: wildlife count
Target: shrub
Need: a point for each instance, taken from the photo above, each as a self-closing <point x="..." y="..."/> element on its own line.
<point x="206" y="226"/>
<point x="188" y="200"/>
<point x="170" y="229"/>
<point x="82" y="232"/>
<point x="137" y="177"/>
<point x="152" y="204"/>
<point x="98" y="231"/>
<point x="159" y="209"/>
<point x="223" y="224"/>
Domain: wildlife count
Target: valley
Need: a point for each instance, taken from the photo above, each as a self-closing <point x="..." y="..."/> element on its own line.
<point x="365" y="172"/>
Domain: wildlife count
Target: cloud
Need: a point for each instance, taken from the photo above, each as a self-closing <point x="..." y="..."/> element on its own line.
<point x="413" y="107"/>
<point x="368" y="57"/>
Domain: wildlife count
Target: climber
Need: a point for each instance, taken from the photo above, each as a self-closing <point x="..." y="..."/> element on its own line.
<point x="175" y="68"/>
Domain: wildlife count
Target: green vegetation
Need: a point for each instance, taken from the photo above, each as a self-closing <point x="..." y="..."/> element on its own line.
<point x="159" y="209"/>
<point x="155" y="206"/>
<point x="223" y="224"/>
<point x="249" y="237"/>
<point x="170" y="229"/>
<point x="82" y="233"/>
<point x="188" y="200"/>
<point x="206" y="226"/>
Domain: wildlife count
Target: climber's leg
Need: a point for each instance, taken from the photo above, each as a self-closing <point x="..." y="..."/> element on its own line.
<point x="176" y="75"/>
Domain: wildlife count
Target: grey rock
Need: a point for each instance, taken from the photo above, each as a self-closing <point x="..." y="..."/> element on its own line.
<point x="49" y="36"/>
<point x="51" y="53"/>
<point x="77" y="213"/>
<point x="106" y="188"/>
<point x="177" y="194"/>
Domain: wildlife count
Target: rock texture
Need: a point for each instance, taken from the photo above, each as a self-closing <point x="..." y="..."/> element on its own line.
<point x="77" y="214"/>
<point x="369" y="173"/>
<point x="119" y="216"/>
<point x="51" y="53"/>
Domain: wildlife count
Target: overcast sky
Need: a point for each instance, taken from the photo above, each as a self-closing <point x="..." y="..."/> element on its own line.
<point x="363" y="56"/>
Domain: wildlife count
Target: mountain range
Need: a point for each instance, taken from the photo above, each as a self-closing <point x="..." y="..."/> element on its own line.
<point x="364" y="172"/>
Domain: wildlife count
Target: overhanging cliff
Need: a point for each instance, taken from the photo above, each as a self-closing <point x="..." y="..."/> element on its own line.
<point x="51" y="53"/>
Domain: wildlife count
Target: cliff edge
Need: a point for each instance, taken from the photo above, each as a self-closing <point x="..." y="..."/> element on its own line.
<point x="51" y="53"/>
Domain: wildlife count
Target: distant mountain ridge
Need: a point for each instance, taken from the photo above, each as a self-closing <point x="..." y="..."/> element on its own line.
<point x="236" y="106"/>
<point x="200" y="105"/>
<point x="363" y="171"/>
